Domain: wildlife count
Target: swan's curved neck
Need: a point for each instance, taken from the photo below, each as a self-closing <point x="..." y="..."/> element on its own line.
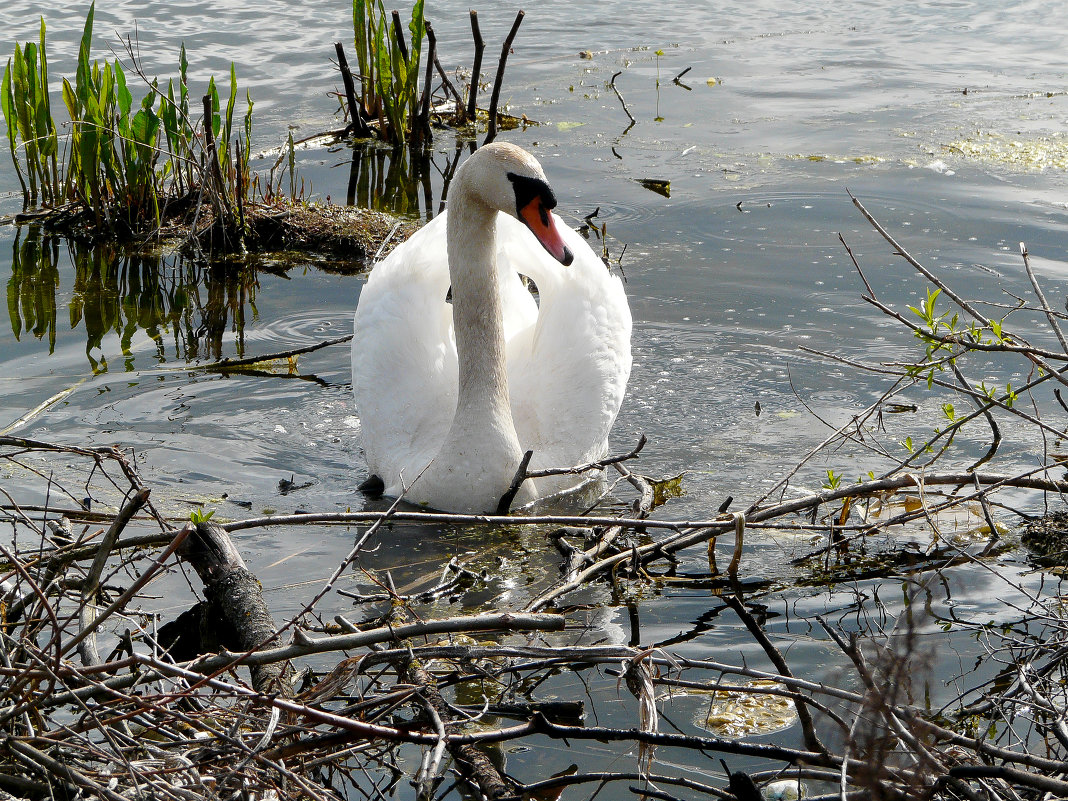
<point x="479" y="456"/>
<point x="476" y="311"/>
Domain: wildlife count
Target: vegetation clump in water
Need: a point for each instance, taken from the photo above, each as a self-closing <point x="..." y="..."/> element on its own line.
<point x="138" y="170"/>
<point x="126" y="166"/>
<point x="1047" y="537"/>
<point x="1029" y="154"/>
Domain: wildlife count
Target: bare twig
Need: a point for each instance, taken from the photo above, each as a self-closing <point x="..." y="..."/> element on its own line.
<point x="357" y="124"/>
<point x="496" y="96"/>
<point x="1050" y="315"/>
<point x="626" y="110"/>
<point x="517" y="481"/>
<point x="476" y="68"/>
<point x="600" y="464"/>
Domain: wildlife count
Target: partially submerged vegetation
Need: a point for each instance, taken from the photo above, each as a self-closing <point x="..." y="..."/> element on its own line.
<point x="148" y="168"/>
<point x="389" y="73"/>
<point x="389" y="104"/>
<point x="122" y="164"/>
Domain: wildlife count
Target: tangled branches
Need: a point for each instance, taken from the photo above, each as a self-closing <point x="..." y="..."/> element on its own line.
<point x="107" y="693"/>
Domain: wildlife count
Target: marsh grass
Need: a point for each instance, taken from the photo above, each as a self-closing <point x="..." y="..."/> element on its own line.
<point x="389" y="67"/>
<point x="29" y="119"/>
<point x="120" y="160"/>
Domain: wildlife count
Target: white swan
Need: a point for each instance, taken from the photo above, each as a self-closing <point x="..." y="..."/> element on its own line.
<point x="451" y="395"/>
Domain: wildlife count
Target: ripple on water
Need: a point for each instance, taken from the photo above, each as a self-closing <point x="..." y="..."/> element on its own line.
<point x="298" y="329"/>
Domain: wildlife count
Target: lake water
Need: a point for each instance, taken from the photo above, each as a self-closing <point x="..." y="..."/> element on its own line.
<point x="785" y="106"/>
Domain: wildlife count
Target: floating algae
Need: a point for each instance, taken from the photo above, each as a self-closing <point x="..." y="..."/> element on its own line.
<point x="1034" y="154"/>
<point x="746" y="711"/>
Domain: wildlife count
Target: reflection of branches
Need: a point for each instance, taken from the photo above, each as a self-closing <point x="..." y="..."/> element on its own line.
<point x="401" y="181"/>
<point x="388" y="180"/>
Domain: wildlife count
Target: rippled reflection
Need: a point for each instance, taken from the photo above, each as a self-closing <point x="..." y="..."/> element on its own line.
<point x="402" y="181"/>
<point x="31" y="290"/>
<point x="185" y="308"/>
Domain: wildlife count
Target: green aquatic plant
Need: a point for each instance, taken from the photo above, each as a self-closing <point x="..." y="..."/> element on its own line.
<point x="174" y="114"/>
<point x="29" y="120"/>
<point x="389" y="67"/>
<point x="122" y="158"/>
<point x="112" y="148"/>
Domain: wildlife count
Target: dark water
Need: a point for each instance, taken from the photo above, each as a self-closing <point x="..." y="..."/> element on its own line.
<point x="726" y="277"/>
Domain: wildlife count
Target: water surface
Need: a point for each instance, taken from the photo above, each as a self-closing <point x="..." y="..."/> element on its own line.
<point x="784" y="107"/>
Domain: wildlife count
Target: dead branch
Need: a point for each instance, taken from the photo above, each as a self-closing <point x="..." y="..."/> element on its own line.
<point x="626" y="110"/>
<point x="424" y="134"/>
<point x="234" y="596"/>
<point x="496" y="96"/>
<point x="129" y="594"/>
<point x="473" y="761"/>
<point x="92" y="579"/>
<point x="812" y="742"/>
<point x="600" y="464"/>
<point x="476" y="68"/>
<point x="228" y="363"/>
<point x="357" y="124"/>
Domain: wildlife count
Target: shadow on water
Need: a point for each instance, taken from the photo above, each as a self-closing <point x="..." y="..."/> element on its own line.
<point x="183" y="306"/>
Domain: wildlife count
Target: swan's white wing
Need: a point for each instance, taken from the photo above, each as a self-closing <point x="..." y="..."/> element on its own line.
<point x="404" y="358"/>
<point x="567" y="372"/>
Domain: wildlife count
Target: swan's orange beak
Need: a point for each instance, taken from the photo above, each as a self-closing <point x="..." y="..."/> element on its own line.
<point x="543" y="226"/>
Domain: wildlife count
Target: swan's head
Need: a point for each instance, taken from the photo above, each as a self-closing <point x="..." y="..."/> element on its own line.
<point x="511" y="180"/>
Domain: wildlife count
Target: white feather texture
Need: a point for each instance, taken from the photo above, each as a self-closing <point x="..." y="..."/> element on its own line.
<point x="565" y="361"/>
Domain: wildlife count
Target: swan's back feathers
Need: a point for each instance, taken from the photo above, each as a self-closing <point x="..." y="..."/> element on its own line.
<point x="568" y="372"/>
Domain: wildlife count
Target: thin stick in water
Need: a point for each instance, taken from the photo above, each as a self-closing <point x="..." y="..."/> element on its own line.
<point x="424" y="103"/>
<point x="495" y="98"/>
<point x="626" y="110"/>
<point x="357" y="124"/>
<point x="476" y="68"/>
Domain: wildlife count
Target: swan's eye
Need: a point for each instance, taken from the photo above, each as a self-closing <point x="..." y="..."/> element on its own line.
<point x="528" y="189"/>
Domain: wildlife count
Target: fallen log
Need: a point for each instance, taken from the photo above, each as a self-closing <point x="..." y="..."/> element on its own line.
<point x="234" y="598"/>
